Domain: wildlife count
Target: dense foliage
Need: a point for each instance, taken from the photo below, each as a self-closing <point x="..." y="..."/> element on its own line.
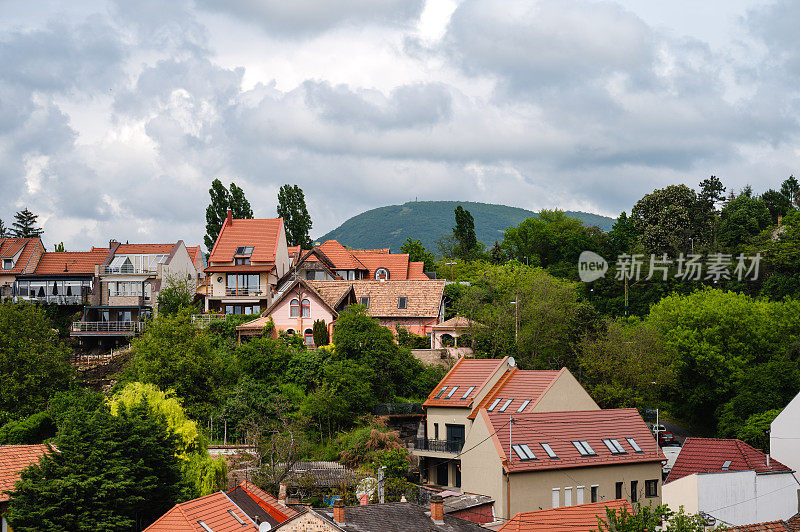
<point x="222" y="199"/>
<point x="296" y="220"/>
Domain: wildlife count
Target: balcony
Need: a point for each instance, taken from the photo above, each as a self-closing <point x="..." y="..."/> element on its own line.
<point x="243" y="292"/>
<point x="125" y="328"/>
<point x="56" y="300"/>
<point x="439" y="446"/>
<point x="130" y="270"/>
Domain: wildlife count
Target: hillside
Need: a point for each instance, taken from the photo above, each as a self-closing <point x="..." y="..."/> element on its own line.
<point x="428" y="221"/>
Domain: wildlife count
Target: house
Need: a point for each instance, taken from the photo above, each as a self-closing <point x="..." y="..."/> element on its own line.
<point x="784" y="435"/>
<point x="396" y="516"/>
<point x="449" y="331"/>
<point x="18" y="256"/>
<point x="199" y="261"/>
<point x="248" y="258"/>
<point x="495" y="384"/>
<point x="790" y="525"/>
<point x="578" y="518"/>
<point x="62" y="278"/>
<point x="129" y="280"/>
<point x="246" y="507"/>
<point x="530" y="461"/>
<point x="731" y="482"/>
<point x="13" y="460"/>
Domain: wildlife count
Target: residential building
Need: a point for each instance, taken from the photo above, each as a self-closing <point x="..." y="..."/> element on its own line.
<point x="245" y="264"/>
<point x="789" y="525"/>
<point x="495" y="384"/>
<point x="18" y="256"/>
<point x="469" y="506"/>
<point x="784" y="436"/>
<point x="62" y="278"/>
<point x="731" y="482"/>
<point x="449" y="332"/>
<point x="528" y="461"/>
<point x="13" y="460"/>
<point x="578" y="518"/>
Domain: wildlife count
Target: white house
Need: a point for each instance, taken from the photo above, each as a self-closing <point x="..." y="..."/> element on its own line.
<point x="784" y="436"/>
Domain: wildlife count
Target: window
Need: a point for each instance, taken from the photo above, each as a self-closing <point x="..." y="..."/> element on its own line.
<point x="306" y="308"/>
<point x="579" y="494"/>
<point x="382" y="274"/>
<point x="584" y="448"/>
<point x="614" y="446"/>
<point x="525" y="403"/>
<point x="452" y="391"/>
<point x="364" y="301"/>
<point x="549" y="450"/>
<point x="241" y="284"/>
<point x="568" y="496"/>
<point x="726" y="466"/>
<point x="635" y="445"/>
<point x="244" y="250"/>
<point x="435" y="431"/>
<point x="634" y="490"/>
<point x="289" y="331"/>
<point x="618" y="490"/>
<point x="294" y="308"/>
<point x="438" y="395"/>
<point x="494" y="404"/>
<point x="402" y="302"/>
<point x="242" y="260"/>
<point x="505" y="405"/>
<point x="469" y="391"/>
<point x="556" y="497"/>
<point x="651" y="488"/>
<point x="524" y="452"/>
<point x="308" y="335"/>
<point x="593" y="493"/>
<point x="205" y="526"/>
<point x="8" y="264"/>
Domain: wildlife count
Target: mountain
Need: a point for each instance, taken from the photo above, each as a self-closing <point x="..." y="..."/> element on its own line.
<point x="428" y="221"/>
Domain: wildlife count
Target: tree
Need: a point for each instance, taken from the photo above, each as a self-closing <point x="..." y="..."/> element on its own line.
<point x="59" y="248"/>
<point x="464" y="233"/>
<point x="320" y="333"/>
<point x="223" y="199"/>
<point x="34" y="363"/>
<point x="777" y="204"/>
<point x="497" y="254"/>
<point x="177" y="294"/>
<point x="296" y="220"/>
<point x="3" y="230"/>
<point x="664" y="219"/>
<point x="240" y="207"/>
<point x="711" y="193"/>
<point x="791" y="190"/>
<point x="649" y="519"/>
<point x="280" y="443"/>
<point x="622" y="236"/>
<point x="742" y="219"/>
<point x="417" y="253"/>
<point x="111" y="472"/>
<point x="25" y="225"/>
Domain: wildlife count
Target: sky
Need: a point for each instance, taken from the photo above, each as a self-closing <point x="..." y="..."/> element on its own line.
<point x="115" y="115"/>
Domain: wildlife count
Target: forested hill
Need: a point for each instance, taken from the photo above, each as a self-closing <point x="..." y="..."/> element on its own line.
<point x="428" y="221"/>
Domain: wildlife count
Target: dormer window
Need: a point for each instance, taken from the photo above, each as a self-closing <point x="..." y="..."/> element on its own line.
<point x="382" y="274"/>
<point x="364" y="301"/>
<point x="242" y="255"/>
<point x="402" y="302"/>
<point x="8" y="264"/>
<point x="244" y="250"/>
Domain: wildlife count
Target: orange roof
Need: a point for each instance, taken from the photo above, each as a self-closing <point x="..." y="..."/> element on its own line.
<point x="560" y="429"/>
<point x="13" y="459"/>
<point x="518" y="385"/>
<point x="423" y="298"/>
<point x="124" y="249"/>
<point x="194" y="251"/>
<point x="708" y="455"/>
<point x="456" y="322"/>
<point x="341" y="257"/>
<point x="215" y="510"/>
<point x="770" y="526"/>
<point x="293" y="251"/>
<point x="416" y="270"/>
<point x="9" y="247"/>
<point x="396" y="263"/>
<point x="465" y="373"/>
<point x="66" y="262"/>
<point x="278" y="511"/>
<point x="261" y="233"/>
<point x="578" y="518"/>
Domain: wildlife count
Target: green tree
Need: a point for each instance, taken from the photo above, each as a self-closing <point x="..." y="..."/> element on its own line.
<point x="777" y="204"/>
<point x="742" y="219"/>
<point x="417" y="253"/>
<point x="497" y="254"/>
<point x="177" y="294"/>
<point x="4" y="230"/>
<point x="296" y="220"/>
<point x="649" y="519"/>
<point x="755" y="430"/>
<point x="240" y="207"/>
<point x="34" y="363"/>
<point x="664" y="219"/>
<point x="320" y="333"/>
<point x="622" y="236"/>
<point x="464" y="234"/>
<point x="711" y="193"/>
<point x="35" y="428"/>
<point x="59" y="248"/>
<point x="223" y="199"/>
<point x="790" y="188"/>
<point x="25" y="225"/>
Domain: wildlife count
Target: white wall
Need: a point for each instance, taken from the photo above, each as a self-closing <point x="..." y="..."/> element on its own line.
<point x="784" y="436"/>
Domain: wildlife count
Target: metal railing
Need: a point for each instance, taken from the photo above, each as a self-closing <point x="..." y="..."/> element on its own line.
<point x="58" y="300"/>
<point x="243" y="291"/>
<point x="124" y="327"/>
<point x="131" y="269"/>
<point x="441" y="446"/>
<point x="203" y="320"/>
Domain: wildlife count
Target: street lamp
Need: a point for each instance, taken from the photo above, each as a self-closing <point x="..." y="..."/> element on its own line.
<point x="452" y="278"/>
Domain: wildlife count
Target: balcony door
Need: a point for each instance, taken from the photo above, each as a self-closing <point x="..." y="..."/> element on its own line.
<point x="455" y="437"/>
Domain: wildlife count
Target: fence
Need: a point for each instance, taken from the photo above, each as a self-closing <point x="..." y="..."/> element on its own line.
<point x="123" y="327"/>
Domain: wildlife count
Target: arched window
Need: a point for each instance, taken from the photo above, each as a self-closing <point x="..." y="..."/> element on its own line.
<point x="289" y="331"/>
<point x="306" y="308"/>
<point x="382" y="274"/>
<point x="294" y="308"/>
<point x="309" y="337"/>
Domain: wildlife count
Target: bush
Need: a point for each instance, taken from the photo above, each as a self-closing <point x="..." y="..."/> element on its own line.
<point x="36" y="428"/>
<point x="413" y="341"/>
<point x="320" y="333"/>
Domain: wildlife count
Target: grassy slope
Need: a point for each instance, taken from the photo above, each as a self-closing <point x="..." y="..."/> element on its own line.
<point x="430" y="220"/>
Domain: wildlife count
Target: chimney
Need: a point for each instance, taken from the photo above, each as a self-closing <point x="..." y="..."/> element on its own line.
<point x="112" y="242"/>
<point x="364" y="499"/>
<point x="338" y="512"/>
<point x="282" y="494"/>
<point x="437" y="509"/>
<point x="230" y="217"/>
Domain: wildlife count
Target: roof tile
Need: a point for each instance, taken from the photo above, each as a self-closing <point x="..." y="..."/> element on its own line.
<point x="67" y="262"/>
<point x="519" y="385"/>
<point x="708" y="455"/>
<point x="578" y="518"/>
<point x="465" y="373"/>
<point x="13" y="460"/>
<point x="260" y="233"/>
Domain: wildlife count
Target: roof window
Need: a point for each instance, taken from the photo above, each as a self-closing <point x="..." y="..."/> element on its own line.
<point x="549" y="450"/>
<point x="402" y="302"/>
<point x="525" y="403"/>
<point x="494" y="404"/>
<point x="524" y="452"/>
<point x="8" y="264"/>
<point x="635" y="445"/>
<point x="505" y="405"/>
<point x="205" y="526"/>
<point x="584" y="448"/>
<point x="452" y="391"/>
<point x="469" y="391"/>
<point x="614" y="446"/>
<point x="727" y="465"/>
<point x="438" y="395"/>
<point x="382" y="274"/>
<point x="239" y="519"/>
<point x="244" y="250"/>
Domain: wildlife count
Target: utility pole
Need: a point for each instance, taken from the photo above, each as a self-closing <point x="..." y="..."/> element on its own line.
<point x="626" y="295"/>
<point x="452" y="277"/>
<point x="516" y="318"/>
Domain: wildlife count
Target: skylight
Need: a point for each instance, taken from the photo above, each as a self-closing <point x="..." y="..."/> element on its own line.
<point x="524" y="452"/>
<point x="244" y="250"/>
<point x="452" y="391"/>
<point x="239" y="519"/>
<point x="494" y="404"/>
<point x="205" y="526"/>
<point x="635" y="445"/>
<point x="525" y="403"/>
<point x="584" y="448"/>
<point x="505" y="405"/>
<point x="438" y="395"/>
<point x="469" y="391"/>
<point x="614" y="446"/>
<point x="549" y="450"/>
<point x="726" y="465"/>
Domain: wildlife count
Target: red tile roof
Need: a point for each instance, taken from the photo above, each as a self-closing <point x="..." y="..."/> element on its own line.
<point x="465" y="373"/>
<point x="293" y="251"/>
<point x="519" y="385"/>
<point x="341" y="257"/>
<point x="771" y="526"/>
<point x="416" y="270"/>
<point x="214" y="510"/>
<point x="261" y="233"/>
<point x="10" y="246"/>
<point x="13" y="459"/>
<point x="279" y="512"/>
<point x="125" y="249"/>
<point x="396" y="263"/>
<point x="424" y="298"/>
<point x="708" y="455"/>
<point x="67" y="262"/>
<point x="560" y="429"/>
<point x="194" y="251"/>
<point x="578" y="518"/>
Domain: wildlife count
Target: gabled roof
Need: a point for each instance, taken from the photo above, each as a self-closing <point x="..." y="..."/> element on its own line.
<point x="578" y="518"/>
<point x="70" y="262"/>
<point x="341" y="257"/>
<point x="262" y="234"/>
<point x="465" y="373"/>
<point x="464" y="501"/>
<point x="396" y="263"/>
<point x="560" y="429"/>
<point x="332" y="293"/>
<point x="144" y="249"/>
<point x="456" y="322"/>
<point x="217" y="511"/>
<point x="195" y="253"/>
<point x="9" y="247"/>
<point x="424" y="298"/>
<point x="416" y="270"/>
<point x="770" y="526"/>
<point x="255" y="501"/>
<point x="397" y="517"/>
<point x="709" y="455"/>
<point x="519" y="385"/>
<point x="13" y="460"/>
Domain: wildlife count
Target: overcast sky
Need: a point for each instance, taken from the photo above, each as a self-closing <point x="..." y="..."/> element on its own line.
<point x="116" y="115"/>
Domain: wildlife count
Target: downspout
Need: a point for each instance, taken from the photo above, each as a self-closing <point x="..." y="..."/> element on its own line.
<point x="508" y="494"/>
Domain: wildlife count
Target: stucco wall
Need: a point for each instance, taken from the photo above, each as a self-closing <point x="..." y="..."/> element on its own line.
<point x="743" y="497"/>
<point x="282" y="255"/>
<point x="681" y="492"/>
<point x="784" y="436"/>
<point x="447" y="416"/>
<point x="281" y="313"/>
<point x="565" y="394"/>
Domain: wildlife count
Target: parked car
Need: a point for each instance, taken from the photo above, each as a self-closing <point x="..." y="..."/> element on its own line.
<point x="666" y="439"/>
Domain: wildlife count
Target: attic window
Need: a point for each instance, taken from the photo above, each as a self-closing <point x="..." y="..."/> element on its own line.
<point x="524" y="452"/>
<point x="494" y="404"/>
<point x="244" y="250"/>
<point x="469" y="391"/>
<point x="525" y="403"/>
<point x="584" y="448"/>
<point x="8" y="264"/>
<point x="614" y="446"/>
<point x="239" y="519"/>
<point x="402" y="302"/>
<point x="505" y="405"/>
<point x="364" y="301"/>
<point x="438" y="395"/>
<point x="549" y="450"/>
<point x="727" y="465"/>
<point x="452" y="391"/>
<point x="382" y="274"/>
<point x="205" y="526"/>
<point x="635" y="445"/>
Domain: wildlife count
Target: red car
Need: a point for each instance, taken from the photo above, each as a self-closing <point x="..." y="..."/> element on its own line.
<point x="666" y="438"/>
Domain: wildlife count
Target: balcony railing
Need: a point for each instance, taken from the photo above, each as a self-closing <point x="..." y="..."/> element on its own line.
<point x="130" y="269"/>
<point x="243" y="292"/>
<point x="441" y="446"/>
<point x="122" y="327"/>
<point x="58" y="300"/>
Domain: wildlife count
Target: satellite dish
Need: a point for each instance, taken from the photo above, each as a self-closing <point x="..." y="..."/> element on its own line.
<point x="264" y="527"/>
<point x="511" y="362"/>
